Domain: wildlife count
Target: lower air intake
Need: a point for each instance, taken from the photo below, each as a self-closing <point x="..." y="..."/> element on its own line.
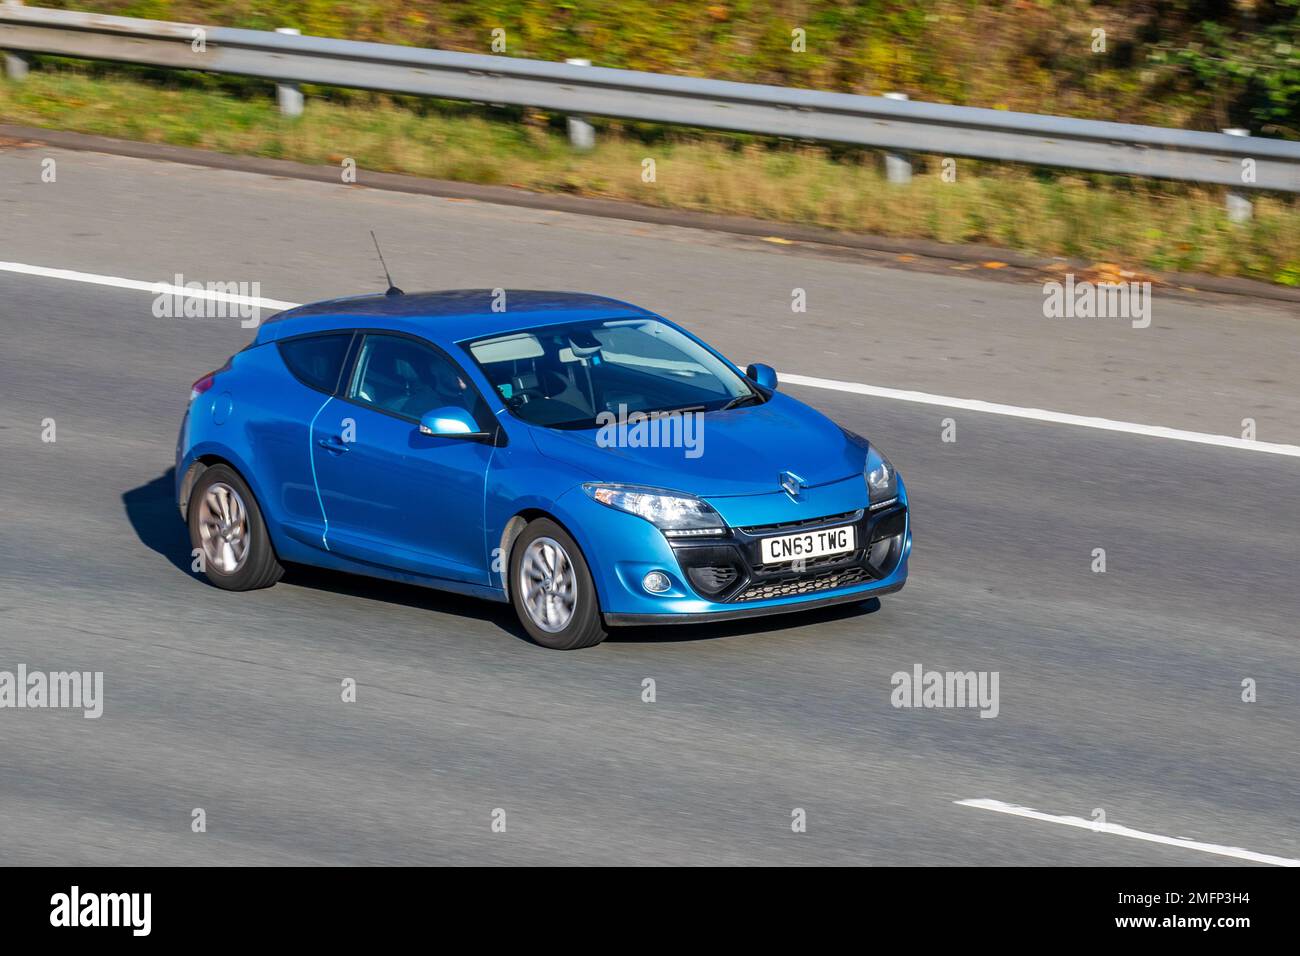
<point x="806" y="584"/>
<point x="711" y="579"/>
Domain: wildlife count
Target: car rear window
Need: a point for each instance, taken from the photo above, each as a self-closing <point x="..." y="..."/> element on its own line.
<point x="317" y="360"/>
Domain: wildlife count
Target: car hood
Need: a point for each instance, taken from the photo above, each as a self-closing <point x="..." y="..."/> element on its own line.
<point x="742" y="451"/>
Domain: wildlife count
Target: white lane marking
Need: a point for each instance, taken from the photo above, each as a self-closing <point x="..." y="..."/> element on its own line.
<point x="877" y="391"/>
<point x="998" y="806"/>
<point x="1043" y="415"/>
<point x="138" y="285"/>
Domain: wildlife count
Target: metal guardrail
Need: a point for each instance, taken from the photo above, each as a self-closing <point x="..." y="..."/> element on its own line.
<point x="896" y="125"/>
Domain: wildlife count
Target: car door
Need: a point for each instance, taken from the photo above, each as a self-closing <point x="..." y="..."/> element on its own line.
<point x="279" y="414"/>
<point x="391" y="495"/>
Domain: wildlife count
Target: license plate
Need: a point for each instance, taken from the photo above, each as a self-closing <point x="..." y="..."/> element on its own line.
<point x="809" y="544"/>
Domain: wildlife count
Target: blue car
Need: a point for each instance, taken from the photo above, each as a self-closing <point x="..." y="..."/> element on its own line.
<point x="582" y="458"/>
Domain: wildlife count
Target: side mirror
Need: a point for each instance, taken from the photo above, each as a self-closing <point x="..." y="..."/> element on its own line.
<point x="450" y="422"/>
<point x="763" y="375"/>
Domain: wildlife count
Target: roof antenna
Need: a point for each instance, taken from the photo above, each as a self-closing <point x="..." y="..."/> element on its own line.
<point x="392" y="289"/>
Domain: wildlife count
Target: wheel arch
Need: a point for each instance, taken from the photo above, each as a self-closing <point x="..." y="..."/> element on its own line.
<point x="515" y="527"/>
<point x="203" y="460"/>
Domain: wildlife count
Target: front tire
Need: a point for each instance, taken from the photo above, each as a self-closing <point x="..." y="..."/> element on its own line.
<point x="551" y="588"/>
<point x="228" y="533"/>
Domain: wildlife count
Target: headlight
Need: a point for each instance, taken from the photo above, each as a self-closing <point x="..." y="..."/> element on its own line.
<point x="676" y="515"/>
<point x="882" y="480"/>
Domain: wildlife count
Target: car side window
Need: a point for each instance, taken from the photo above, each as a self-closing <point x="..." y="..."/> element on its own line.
<point x="317" y="360"/>
<point x="404" y="377"/>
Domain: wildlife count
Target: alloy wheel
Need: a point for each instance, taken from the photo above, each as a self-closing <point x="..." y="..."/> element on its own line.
<point x="548" y="585"/>
<point x="223" y="528"/>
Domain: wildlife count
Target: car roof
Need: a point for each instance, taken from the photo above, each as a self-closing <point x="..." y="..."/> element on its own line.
<point x="448" y="316"/>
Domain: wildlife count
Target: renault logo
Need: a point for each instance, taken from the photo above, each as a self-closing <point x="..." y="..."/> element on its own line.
<point x="792" y="484"/>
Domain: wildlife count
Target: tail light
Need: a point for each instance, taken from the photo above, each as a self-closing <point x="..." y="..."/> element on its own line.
<point x="207" y="381"/>
<point x="202" y="385"/>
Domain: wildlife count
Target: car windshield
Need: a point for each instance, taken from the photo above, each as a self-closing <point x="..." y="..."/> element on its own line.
<point x="565" y="376"/>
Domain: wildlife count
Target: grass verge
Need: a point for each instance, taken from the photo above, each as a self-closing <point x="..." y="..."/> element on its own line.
<point x="1138" y="224"/>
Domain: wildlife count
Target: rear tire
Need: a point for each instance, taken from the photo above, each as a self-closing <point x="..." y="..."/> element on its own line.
<point x="551" y="588"/>
<point x="228" y="533"/>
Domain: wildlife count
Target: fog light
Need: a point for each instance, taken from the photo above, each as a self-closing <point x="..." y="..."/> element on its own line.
<point x="656" y="582"/>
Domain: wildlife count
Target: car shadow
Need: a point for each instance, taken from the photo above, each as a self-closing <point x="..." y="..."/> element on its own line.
<point x="151" y="510"/>
<point x="407" y="595"/>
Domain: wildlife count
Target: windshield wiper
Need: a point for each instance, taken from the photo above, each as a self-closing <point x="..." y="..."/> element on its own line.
<point x="683" y="410"/>
<point x="741" y="400"/>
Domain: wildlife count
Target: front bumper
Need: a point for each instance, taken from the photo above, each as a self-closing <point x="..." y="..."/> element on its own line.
<point x="724" y="578"/>
<point x="755" y="610"/>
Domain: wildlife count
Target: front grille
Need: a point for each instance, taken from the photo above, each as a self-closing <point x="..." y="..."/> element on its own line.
<point x="804" y="584"/>
<point x="786" y="526"/>
<point x="810" y="564"/>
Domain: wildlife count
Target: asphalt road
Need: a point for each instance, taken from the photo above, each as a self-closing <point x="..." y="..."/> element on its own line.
<point x="1119" y="691"/>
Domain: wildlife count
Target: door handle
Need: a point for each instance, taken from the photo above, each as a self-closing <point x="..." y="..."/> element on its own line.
<point x="333" y="444"/>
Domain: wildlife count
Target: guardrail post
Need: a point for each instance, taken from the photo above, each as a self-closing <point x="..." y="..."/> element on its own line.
<point x="1239" y="207"/>
<point x="15" y="65"/>
<point x="288" y="95"/>
<point x="582" y="135"/>
<point x="898" y="167"/>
